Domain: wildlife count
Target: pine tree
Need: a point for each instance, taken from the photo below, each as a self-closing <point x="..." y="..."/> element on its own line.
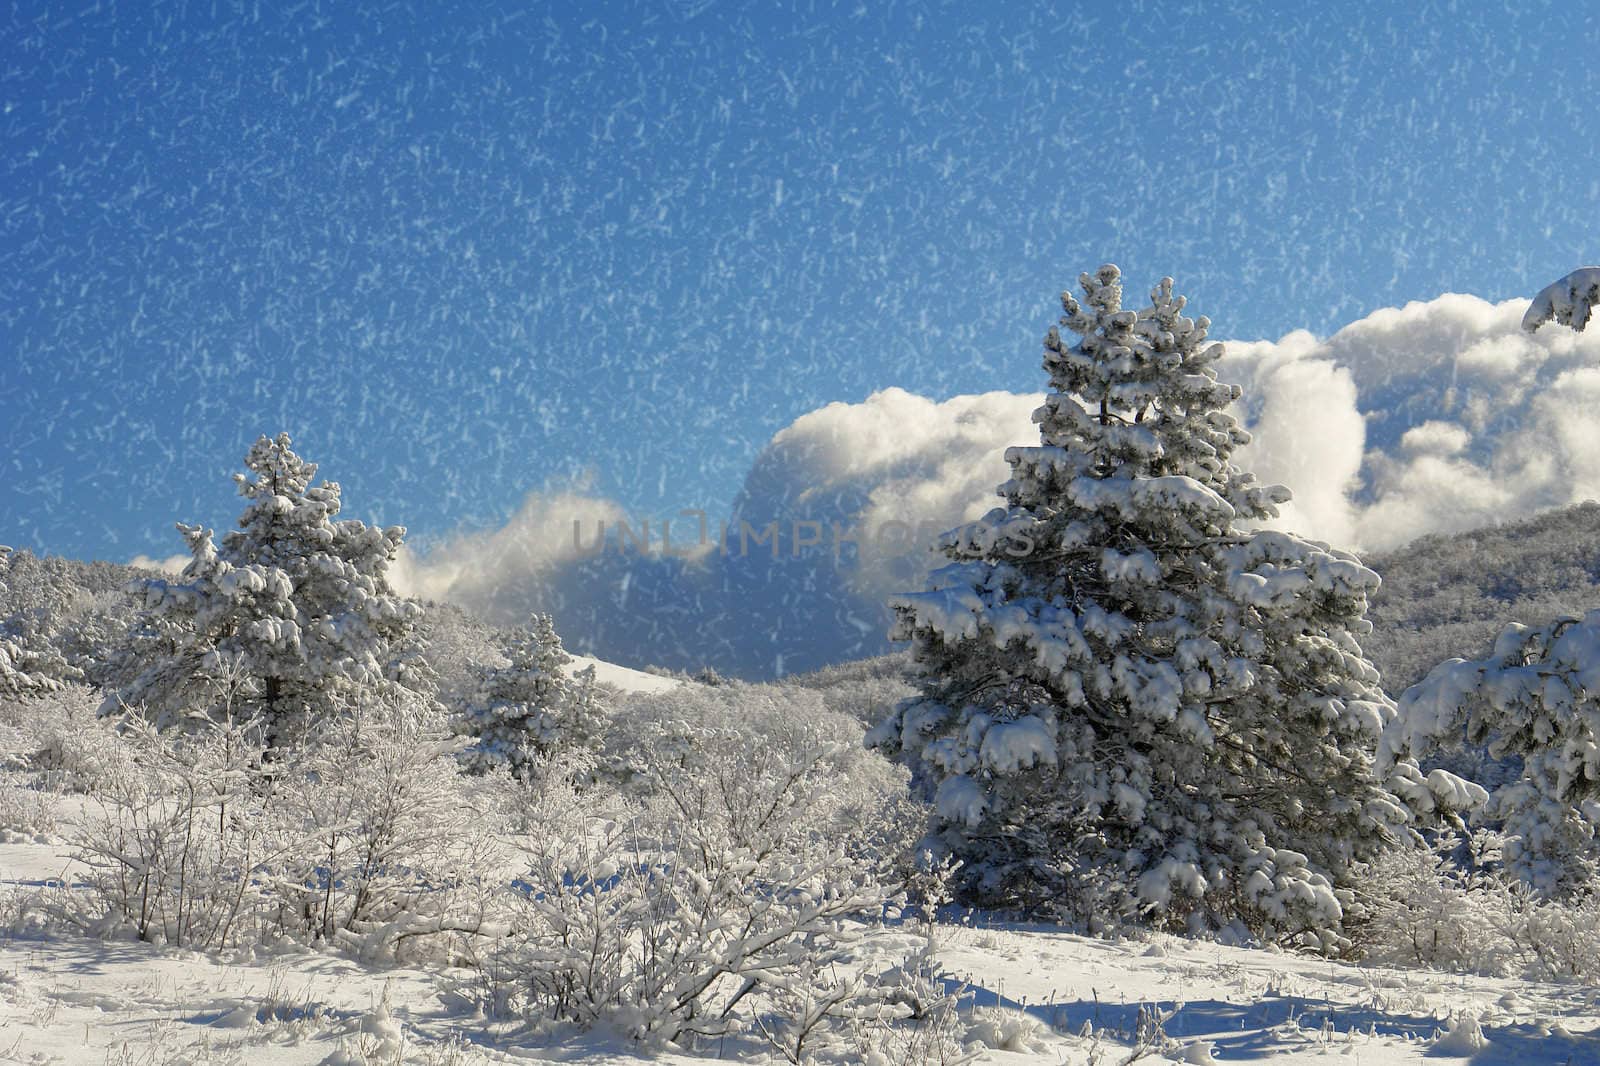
<point x="25" y="671"/>
<point x="533" y="708"/>
<point x="294" y="602"/>
<point x="1129" y="703"/>
<point x="30" y="662"/>
<point x="1534" y="701"/>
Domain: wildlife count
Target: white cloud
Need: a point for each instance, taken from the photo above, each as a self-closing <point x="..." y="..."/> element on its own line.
<point x="1308" y="431"/>
<point x="172" y="564"/>
<point x="881" y="470"/>
<point x="1435" y="438"/>
<point x="1459" y="417"/>
<point x="537" y="543"/>
<point x="890" y="467"/>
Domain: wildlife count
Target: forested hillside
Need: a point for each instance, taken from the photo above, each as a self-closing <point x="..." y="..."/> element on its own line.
<point x="1447" y="595"/>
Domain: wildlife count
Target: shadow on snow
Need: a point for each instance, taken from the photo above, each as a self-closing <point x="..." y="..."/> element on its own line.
<point x="1282" y="1023"/>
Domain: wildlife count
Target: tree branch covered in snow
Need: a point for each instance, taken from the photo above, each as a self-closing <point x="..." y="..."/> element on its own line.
<point x="1568" y="301"/>
<point x="1535" y="699"/>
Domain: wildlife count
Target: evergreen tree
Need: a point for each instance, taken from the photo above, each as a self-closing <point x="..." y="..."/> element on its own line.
<point x="64" y="615"/>
<point x="1534" y="702"/>
<point x="30" y="662"/>
<point x="533" y="708"/>
<point x="1130" y="704"/>
<point x="294" y="602"/>
<point x="25" y="671"/>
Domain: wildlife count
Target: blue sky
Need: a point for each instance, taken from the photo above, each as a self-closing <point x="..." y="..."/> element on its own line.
<point x="462" y="253"/>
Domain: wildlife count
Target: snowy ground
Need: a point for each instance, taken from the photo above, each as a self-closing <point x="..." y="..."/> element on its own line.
<point x="75" y="1000"/>
<point x="1036" y="995"/>
<point x="622" y="677"/>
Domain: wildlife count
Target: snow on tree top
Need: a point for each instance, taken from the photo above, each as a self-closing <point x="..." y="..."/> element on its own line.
<point x="1134" y="496"/>
<point x="1568" y="301"/>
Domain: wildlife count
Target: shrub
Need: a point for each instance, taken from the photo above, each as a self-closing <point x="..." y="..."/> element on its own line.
<point x="774" y="762"/>
<point x="666" y="932"/>
<point x="1455" y="906"/>
<point x="368" y="840"/>
<point x="727" y="885"/>
<point x="59" y="734"/>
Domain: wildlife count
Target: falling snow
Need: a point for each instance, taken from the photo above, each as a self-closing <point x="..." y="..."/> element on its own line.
<point x="463" y="258"/>
<point x="694" y="324"/>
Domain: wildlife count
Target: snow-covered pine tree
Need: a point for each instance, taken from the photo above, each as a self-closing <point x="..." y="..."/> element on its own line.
<point x="295" y="602"/>
<point x="533" y="708"/>
<point x="26" y="670"/>
<point x="1535" y="700"/>
<point x="34" y="595"/>
<point x="1130" y="705"/>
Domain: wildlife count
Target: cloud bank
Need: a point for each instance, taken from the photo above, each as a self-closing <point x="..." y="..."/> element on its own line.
<point x="1433" y="417"/>
<point x="172" y="564"/>
<point x="835" y="513"/>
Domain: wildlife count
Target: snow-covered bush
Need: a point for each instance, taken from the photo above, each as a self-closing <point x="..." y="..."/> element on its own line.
<point x="913" y="1016"/>
<point x="369" y="840"/>
<point x="1561" y="938"/>
<point x="1131" y="705"/>
<point x="534" y="708"/>
<point x="27" y="811"/>
<point x="1454" y="907"/>
<point x="391" y="843"/>
<point x="174" y="845"/>
<point x="296" y="601"/>
<point x="59" y="735"/>
<point x="1535" y="699"/>
<point x="661" y="942"/>
<point x="722" y="889"/>
<point x="673" y="928"/>
<point x="1436" y="906"/>
<point x="784" y="772"/>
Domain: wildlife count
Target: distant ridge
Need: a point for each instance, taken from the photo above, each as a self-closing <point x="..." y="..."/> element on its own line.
<point x="1446" y="595"/>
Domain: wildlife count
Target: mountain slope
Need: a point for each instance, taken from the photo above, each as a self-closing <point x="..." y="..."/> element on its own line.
<point x="1447" y="595"/>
